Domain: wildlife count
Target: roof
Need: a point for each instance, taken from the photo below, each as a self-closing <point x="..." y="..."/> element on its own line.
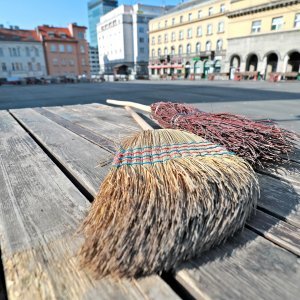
<point x="18" y="35"/>
<point x="186" y="5"/>
<point x="55" y="33"/>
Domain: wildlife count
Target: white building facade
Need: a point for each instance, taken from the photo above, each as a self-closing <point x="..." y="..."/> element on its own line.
<point x="123" y="41"/>
<point x="21" y="56"/>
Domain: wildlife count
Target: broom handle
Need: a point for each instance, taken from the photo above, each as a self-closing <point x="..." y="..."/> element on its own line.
<point x="142" y="107"/>
<point x="143" y="124"/>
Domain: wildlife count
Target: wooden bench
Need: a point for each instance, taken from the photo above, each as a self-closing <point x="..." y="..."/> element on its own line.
<point x="290" y="75"/>
<point x="50" y="169"/>
<point x="248" y="75"/>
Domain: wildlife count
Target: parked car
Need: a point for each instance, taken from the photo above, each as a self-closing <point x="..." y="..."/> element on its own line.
<point x="15" y="80"/>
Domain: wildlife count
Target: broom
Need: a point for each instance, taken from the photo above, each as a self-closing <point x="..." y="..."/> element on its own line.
<point x="169" y="196"/>
<point x="259" y="142"/>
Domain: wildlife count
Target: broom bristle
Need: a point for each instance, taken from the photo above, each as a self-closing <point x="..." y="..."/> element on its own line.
<point x="259" y="142"/>
<point x="169" y="196"/>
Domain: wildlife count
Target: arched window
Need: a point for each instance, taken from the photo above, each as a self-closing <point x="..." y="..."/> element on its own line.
<point x="172" y="50"/>
<point x="159" y="52"/>
<point x="219" y="45"/>
<point x="166" y="51"/>
<point x="180" y="50"/>
<point x="153" y="53"/>
<point x="188" y="49"/>
<point x="208" y="46"/>
<point x="198" y="48"/>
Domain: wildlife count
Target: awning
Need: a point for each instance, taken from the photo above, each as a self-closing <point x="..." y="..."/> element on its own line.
<point x="119" y="66"/>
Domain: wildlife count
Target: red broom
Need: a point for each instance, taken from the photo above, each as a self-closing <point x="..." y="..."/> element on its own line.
<point x="169" y="196"/>
<point x="259" y="142"/>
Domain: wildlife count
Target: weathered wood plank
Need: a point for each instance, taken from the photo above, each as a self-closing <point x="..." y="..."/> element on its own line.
<point x="112" y="125"/>
<point x="279" y="232"/>
<point x="40" y="209"/>
<point x="246" y="267"/>
<point x="76" y="154"/>
<point x="281" y="199"/>
<point x="97" y="139"/>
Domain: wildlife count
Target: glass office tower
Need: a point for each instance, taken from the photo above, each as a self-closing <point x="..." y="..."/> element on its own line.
<point x="96" y="9"/>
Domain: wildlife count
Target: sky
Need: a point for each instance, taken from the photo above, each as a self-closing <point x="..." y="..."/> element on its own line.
<point x="27" y="14"/>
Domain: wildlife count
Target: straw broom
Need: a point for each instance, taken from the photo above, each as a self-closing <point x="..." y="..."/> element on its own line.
<point x="169" y="196"/>
<point x="259" y="142"/>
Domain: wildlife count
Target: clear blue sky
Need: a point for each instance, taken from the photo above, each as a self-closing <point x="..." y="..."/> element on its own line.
<point x="28" y="14"/>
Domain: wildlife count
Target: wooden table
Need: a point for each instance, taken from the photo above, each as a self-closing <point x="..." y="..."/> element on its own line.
<point x="49" y="173"/>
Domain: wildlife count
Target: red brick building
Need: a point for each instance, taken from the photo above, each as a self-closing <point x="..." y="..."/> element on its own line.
<point x="66" y="50"/>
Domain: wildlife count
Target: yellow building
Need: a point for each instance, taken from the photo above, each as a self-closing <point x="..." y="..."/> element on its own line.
<point x="190" y="40"/>
<point x="263" y="36"/>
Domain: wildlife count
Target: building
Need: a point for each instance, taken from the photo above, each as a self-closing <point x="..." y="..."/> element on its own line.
<point x="94" y="61"/>
<point x="21" y="54"/>
<point x="96" y="9"/>
<point x="264" y="36"/>
<point x="123" y="39"/>
<point x="66" y="50"/>
<point x="190" y="41"/>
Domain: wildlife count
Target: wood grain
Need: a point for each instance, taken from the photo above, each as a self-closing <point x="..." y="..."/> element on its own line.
<point x="247" y="267"/>
<point x="40" y="210"/>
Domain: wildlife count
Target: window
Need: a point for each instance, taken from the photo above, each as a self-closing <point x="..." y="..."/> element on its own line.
<point x="180" y="50"/>
<point x="142" y="50"/>
<point x="29" y="66"/>
<point x="55" y="61"/>
<point x="63" y="62"/>
<point x="166" y="51"/>
<point x="158" y="26"/>
<point x="27" y="51"/>
<point x="219" y="45"/>
<point x="53" y="48"/>
<point x="199" y="14"/>
<point x="208" y="46"/>
<point x="69" y="48"/>
<point x="153" y="40"/>
<point x="159" y="52"/>
<point x="297" y="21"/>
<point x="3" y="67"/>
<point x="199" y="30"/>
<point x="142" y="40"/>
<point x="181" y="19"/>
<point x="61" y="48"/>
<point x="222" y="8"/>
<point x="166" y="23"/>
<point x="210" y="11"/>
<point x="189" y="33"/>
<point x="180" y="35"/>
<point x="14" y="52"/>
<point x="209" y="29"/>
<point x="173" y="50"/>
<point x="188" y="49"/>
<point x="256" y="26"/>
<point x="36" y="52"/>
<point x="13" y="67"/>
<point x="190" y="17"/>
<point x="81" y="35"/>
<point x="1" y="52"/>
<point x="277" y="23"/>
<point x="173" y="37"/>
<point x="63" y="35"/>
<point x="83" y="62"/>
<point x="221" y="26"/>
<point x="198" y="48"/>
<point x="153" y="52"/>
<point x="173" y="21"/>
<point x="38" y="67"/>
<point x="159" y="39"/>
<point x="82" y="49"/>
<point x="18" y="52"/>
<point x="166" y="38"/>
<point x="141" y="30"/>
<point x="51" y="34"/>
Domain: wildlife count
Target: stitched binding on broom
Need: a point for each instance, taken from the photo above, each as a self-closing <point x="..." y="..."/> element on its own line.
<point x="135" y="156"/>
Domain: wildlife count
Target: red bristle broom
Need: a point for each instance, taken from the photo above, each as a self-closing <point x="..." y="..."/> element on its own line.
<point x="169" y="196"/>
<point x="259" y="142"/>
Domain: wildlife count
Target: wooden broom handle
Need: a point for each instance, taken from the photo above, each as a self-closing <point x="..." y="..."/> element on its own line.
<point x="130" y="104"/>
<point x="143" y="124"/>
